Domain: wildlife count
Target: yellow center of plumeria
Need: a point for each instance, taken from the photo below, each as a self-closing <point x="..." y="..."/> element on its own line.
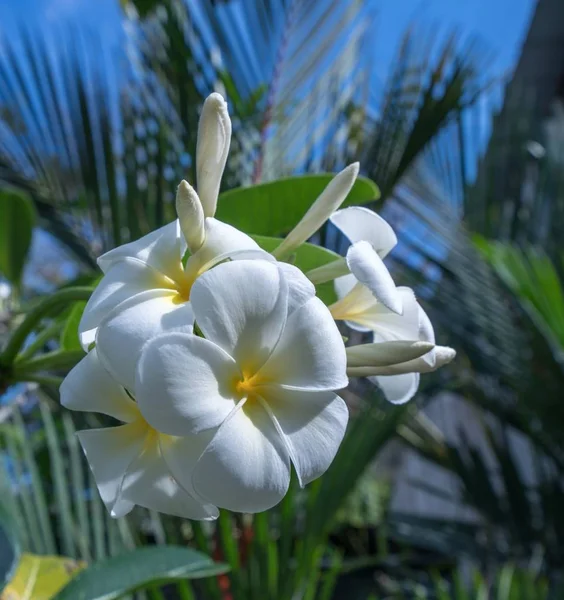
<point x="246" y="386"/>
<point x="355" y="306"/>
<point x="183" y="284"/>
<point x="249" y="387"/>
<point x="152" y="435"/>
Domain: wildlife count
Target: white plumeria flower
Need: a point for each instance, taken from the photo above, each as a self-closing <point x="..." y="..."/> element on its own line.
<point x="369" y="301"/>
<point x="146" y="288"/>
<point x="127" y="460"/>
<point x="262" y="380"/>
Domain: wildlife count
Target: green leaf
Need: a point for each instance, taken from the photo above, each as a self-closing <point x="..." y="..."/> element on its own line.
<point x="9" y="547"/>
<point x="144" y="7"/>
<point x="274" y="208"/>
<point x="17" y="217"/>
<point x="306" y="258"/>
<point x="69" y="336"/>
<point x="123" y="574"/>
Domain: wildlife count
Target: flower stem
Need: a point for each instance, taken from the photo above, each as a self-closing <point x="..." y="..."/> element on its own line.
<point x="59" y="359"/>
<point x="52" y="380"/>
<point x="185" y="591"/>
<point x="328" y="272"/>
<point x="49" y="303"/>
<point x="42" y="338"/>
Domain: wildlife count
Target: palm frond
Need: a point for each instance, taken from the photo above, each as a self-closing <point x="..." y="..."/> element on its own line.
<point x="56" y="504"/>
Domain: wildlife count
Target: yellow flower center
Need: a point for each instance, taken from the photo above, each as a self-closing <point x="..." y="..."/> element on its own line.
<point x="245" y="386"/>
<point x="249" y="386"/>
<point x="183" y="284"/>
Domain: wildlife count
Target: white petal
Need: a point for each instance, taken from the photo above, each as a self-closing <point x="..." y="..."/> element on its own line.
<point x="319" y="212"/>
<point x="89" y="387"/>
<point x="368" y="268"/>
<point x="388" y="326"/>
<point x="161" y="249"/>
<point x="122" y="334"/>
<point x="181" y="455"/>
<point x="300" y="288"/>
<point x="312" y="424"/>
<point x="310" y="354"/>
<point x="242" y="307"/>
<point x="343" y="285"/>
<point x="149" y="483"/>
<point x="110" y="451"/>
<point x="359" y="223"/>
<point x="190" y="216"/>
<point x="355" y="306"/>
<point x="123" y="280"/>
<point x="185" y="384"/>
<point x="222" y="241"/>
<point x="398" y="389"/>
<point x="214" y="137"/>
<point x="246" y="467"/>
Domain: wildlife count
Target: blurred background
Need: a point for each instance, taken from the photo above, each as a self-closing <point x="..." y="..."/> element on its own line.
<point x="455" y="109"/>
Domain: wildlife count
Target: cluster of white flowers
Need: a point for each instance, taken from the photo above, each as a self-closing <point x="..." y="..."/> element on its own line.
<point x="223" y="367"/>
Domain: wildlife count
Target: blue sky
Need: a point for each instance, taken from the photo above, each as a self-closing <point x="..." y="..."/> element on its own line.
<point x="500" y="23"/>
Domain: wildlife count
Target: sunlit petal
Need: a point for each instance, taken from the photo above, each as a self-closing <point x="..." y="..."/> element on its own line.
<point x="149" y="483"/>
<point x="125" y="330"/>
<point x="359" y="223"/>
<point x="300" y="288"/>
<point x="89" y="387"/>
<point x="398" y="389"/>
<point x="368" y="268"/>
<point x="242" y="307"/>
<point x="123" y="279"/>
<point x="246" y="467"/>
<point x="109" y="452"/>
<point x="310" y="354"/>
<point x="312" y="424"/>
<point x="162" y="249"/>
<point x="185" y="384"/>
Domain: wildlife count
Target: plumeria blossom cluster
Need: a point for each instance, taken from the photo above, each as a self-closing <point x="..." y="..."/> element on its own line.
<point x="219" y="361"/>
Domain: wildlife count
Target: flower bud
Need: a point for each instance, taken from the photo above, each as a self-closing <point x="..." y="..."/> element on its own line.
<point x="214" y="137"/>
<point x="384" y="354"/>
<point x="191" y="216"/>
<point x="319" y="212"/>
<point x="443" y="355"/>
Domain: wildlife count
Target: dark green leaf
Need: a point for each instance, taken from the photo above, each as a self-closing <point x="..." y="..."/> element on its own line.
<point x="69" y="336"/>
<point x="144" y="7"/>
<point x="17" y="218"/>
<point x="274" y="208"/>
<point x="123" y="574"/>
